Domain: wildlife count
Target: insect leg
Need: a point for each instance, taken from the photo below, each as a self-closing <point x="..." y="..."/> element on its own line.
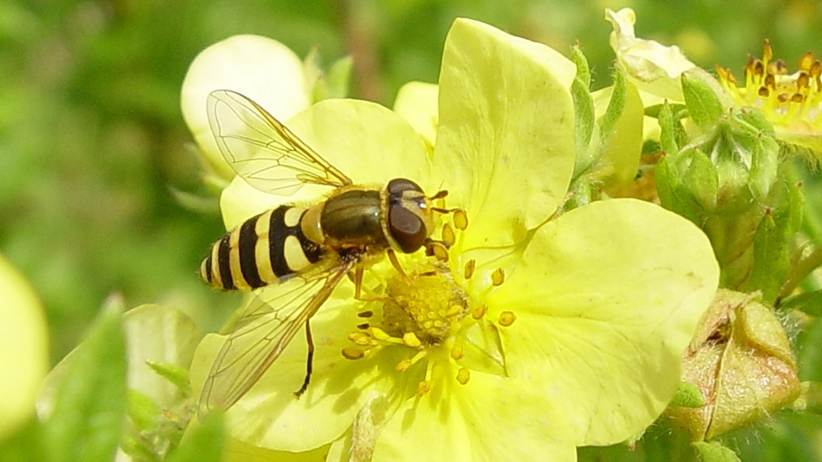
<point x="309" y="361"/>
<point x="392" y="257"/>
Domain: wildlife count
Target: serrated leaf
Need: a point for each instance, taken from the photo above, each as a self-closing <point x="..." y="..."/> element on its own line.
<point x="174" y="374"/>
<point x="687" y="395"/>
<point x="203" y="443"/>
<point x="704" y="97"/>
<point x="712" y="451"/>
<point x="90" y="402"/>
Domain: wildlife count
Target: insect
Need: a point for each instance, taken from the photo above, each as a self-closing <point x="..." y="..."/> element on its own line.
<point x="293" y="256"/>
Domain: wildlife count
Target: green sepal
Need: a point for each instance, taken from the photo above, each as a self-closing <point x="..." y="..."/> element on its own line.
<point x="325" y="84"/>
<point x="667" y="129"/>
<point x="705" y="98"/>
<point x="142" y="409"/>
<point x="615" y="106"/>
<point x="772" y="241"/>
<point x="584" y="115"/>
<point x="174" y="374"/>
<point x="713" y="451"/>
<point x="90" y="401"/>
<point x="687" y="184"/>
<point x="203" y="443"/>
<point x="687" y="395"/>
<point x="764" y="167"/>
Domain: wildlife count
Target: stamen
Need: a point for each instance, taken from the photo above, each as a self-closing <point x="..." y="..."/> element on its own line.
<point x="352" y="353"/>
<point x="448" y="235"/>
<point x="498" y="277"/>
<point x="403" y="365"/>
<point x="359" y="338"/>
<point x="463" y="375"/>
<point x="469" y="268"/>
<point x="363" y="326"/>
<point x="479" y="312"/>
<point x="439" y="251"/>
<point x="423" y="388"/>
<point x="506" y="318"/>
<point x="457" y="351"/>
<point x="410" y="339"/>
<point x="365" y="314"/>
<point x="455" y="310"/>
<point x="460" y="219"/>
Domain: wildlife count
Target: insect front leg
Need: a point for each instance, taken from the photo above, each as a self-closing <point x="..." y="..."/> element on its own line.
<point x="309" y="361"/>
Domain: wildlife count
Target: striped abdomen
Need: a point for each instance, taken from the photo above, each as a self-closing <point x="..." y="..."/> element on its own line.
<point x="263" y="250"/>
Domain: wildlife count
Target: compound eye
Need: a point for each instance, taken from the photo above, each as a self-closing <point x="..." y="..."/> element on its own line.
<point x="407" y="228"/>
<point x="398" y="185"/>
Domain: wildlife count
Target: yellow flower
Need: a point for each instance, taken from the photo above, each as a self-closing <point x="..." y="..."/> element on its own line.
<point x="792" y="102"/>
<point x="23" y="349"/>
<point x="533" y="337"/>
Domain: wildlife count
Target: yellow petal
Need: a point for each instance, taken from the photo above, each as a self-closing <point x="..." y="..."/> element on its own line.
<point x="654" y="67"/>
<point x="23" y="349"/>
<point x="417" y="103"/>
<point x="490" y="418"/>
<point x="505" y="141"/>
<point x="258" y="67"/>
<point x="607" y="298"/>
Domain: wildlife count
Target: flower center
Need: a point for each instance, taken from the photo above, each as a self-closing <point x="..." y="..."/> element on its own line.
<point x="428" y="305"/>
<point x="784" y="98"/>
<point x="429" y="313"/>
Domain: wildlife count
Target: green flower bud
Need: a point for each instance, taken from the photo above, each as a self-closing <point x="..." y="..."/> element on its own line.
<point x="741" y="361"/>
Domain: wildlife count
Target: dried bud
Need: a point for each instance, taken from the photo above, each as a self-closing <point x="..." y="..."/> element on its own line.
<point x="741" y="361"/>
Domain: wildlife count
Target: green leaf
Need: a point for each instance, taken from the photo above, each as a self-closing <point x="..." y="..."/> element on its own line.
<point x="204" y="443"/>
<point x="704" y="97"/>
<point x="715" y="452"/>
<point x="90" y="402"/>
<point x="809" y="302"/>
<point x="174" y="374"/>
<point x="687" y="395"/>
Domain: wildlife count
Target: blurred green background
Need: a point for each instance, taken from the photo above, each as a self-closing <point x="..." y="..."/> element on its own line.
<point x="92" y="142"/>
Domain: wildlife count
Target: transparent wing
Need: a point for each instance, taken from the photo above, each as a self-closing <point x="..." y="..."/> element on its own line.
<point x="262" y="150"/>
<point x="268" y="323"/>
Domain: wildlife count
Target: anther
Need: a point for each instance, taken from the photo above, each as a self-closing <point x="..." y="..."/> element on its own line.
<point x="439" y="251"/>
<point x="359" y="338"/>
<point x="365" y="314"/>
<point x="479" y="312"/>
<point x="506" y="318"/>
<point x="469" y="268"/>
<point x="352" y="353"/>
<point x="498" y="277"/>
<point x="806" y="61"/>
<point x="403" y="365"/>
<point x="363" y="326"/>
<point x="463" y="375"/>
<point x="423" y="388"/>
<point x="410" y="339"/>
<point x="460" y="219"/>
<point x="448" y="235"/>
<point x="454" y="310"/>
<point x="763" y="91"/>
<point x="457" y="351"/>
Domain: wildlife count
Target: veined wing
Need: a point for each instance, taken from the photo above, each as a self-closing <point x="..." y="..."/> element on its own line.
<point x="268" y="323"/>
<point x="262" y="150"/>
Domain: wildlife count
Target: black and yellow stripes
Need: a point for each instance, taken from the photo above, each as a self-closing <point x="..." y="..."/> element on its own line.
<point x="261" y="251"/>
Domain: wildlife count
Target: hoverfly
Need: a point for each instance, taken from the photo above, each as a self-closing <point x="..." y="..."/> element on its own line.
<point x="317" y="244"/>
